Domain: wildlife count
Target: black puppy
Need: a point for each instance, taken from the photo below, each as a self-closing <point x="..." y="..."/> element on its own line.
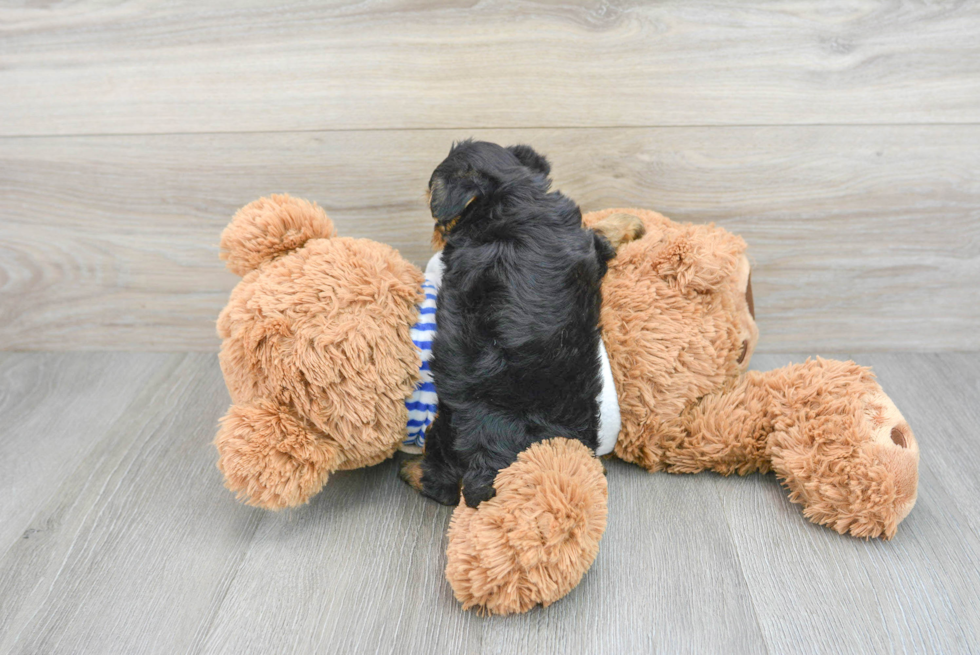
<point x="515" y="356"/>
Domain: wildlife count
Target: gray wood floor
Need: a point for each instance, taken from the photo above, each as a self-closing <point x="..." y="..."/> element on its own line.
<point x="838" y="138"/>
<point x="117" y="537"/>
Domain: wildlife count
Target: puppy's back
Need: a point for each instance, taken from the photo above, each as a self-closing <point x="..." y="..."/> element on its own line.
<point x="518" y="319"/>
<point x="516" y="357"/>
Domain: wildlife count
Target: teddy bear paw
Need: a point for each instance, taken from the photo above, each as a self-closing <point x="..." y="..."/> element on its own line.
<point x="270" y="458"/>
<point x="852" y="463"/>
<point x="534" y="540"/>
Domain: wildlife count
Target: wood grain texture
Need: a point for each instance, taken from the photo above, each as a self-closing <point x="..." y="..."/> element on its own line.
<point x="367" y="547"/>
<point x="864" y="238"/>
<point x="154" y="67"/>
<point x="916" y="593"/>
<point x="139" y="549"/>
<point x="667" y="579"/>
<point x="54" y="408"/>
<point x="132" y="553"/>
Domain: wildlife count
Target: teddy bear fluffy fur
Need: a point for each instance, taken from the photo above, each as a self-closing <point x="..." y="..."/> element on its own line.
<point x="315" y="352"/>
<point x="318" y="361"/>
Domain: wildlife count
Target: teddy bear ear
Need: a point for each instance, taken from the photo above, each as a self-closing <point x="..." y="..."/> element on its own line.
<point x="700" y="258"/>
<point x="268" y="227"/>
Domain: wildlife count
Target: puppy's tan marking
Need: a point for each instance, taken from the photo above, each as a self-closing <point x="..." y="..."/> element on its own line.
<point x="439" y="233"/>
<point x="620" y="228"/>
<point x="438" y="238"/>
<point x="411" y="473"/>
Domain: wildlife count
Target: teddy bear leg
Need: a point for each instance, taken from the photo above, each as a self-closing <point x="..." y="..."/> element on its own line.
<point x="270" y="458"/>
<point x="833" y="437"/>
<point x="534" y="540"/>
<point x="842" y="448"/>
<point x="620" y="228"/>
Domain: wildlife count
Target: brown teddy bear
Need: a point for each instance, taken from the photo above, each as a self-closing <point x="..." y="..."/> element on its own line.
<point x="319" y="360"/>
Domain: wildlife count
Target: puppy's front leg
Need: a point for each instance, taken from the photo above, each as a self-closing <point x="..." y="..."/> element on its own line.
<point x="478" y="485"/>
<point x="481" y="471"/>
<point x="440" y="466"/>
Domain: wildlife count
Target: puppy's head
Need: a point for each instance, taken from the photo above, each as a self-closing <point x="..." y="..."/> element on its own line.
<point x="473" y="172"/>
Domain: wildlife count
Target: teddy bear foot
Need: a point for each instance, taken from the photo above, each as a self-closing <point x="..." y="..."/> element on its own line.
<point x="848" y="455"/>
<point x="532" y="542"/>
<point x="271" y="459"/>
<point x="620" y="228"/>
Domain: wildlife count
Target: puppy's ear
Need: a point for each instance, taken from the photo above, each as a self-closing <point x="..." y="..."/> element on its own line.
<point x="528" y="157"/>
<point x="448" y="199"/>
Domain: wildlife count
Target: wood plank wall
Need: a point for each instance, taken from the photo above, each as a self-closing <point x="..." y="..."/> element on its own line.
<point x="841" y="139"/>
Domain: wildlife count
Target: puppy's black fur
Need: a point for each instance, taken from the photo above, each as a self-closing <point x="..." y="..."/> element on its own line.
<point x="515" y="356"/>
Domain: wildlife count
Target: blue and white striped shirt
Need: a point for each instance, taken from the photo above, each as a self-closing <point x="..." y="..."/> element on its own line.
<point x="422" y="404"/>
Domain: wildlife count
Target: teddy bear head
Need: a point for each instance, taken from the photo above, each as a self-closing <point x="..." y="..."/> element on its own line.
<point x="678" y="323"/>
<point x="316" y="351"/>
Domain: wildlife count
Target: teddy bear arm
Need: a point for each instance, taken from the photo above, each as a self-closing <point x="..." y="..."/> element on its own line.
<point x="830" y="433"/>
<point x="270" y="457"/>
<point x="726" y="432"/>
<point x="842" y="447"/>
<point x="534" y="540"/>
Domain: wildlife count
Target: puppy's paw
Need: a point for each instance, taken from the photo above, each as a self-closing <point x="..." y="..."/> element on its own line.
<point x="474" y="495"/>
<point x="410" y="473"/>
<point x="444" y="494"/>
<point x="478" y="485"/>
<point x="620" y="228"/>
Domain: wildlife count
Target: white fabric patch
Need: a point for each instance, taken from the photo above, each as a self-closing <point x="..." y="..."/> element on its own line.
<point x="609" y="419"/>
<point x="434" y="269"/>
